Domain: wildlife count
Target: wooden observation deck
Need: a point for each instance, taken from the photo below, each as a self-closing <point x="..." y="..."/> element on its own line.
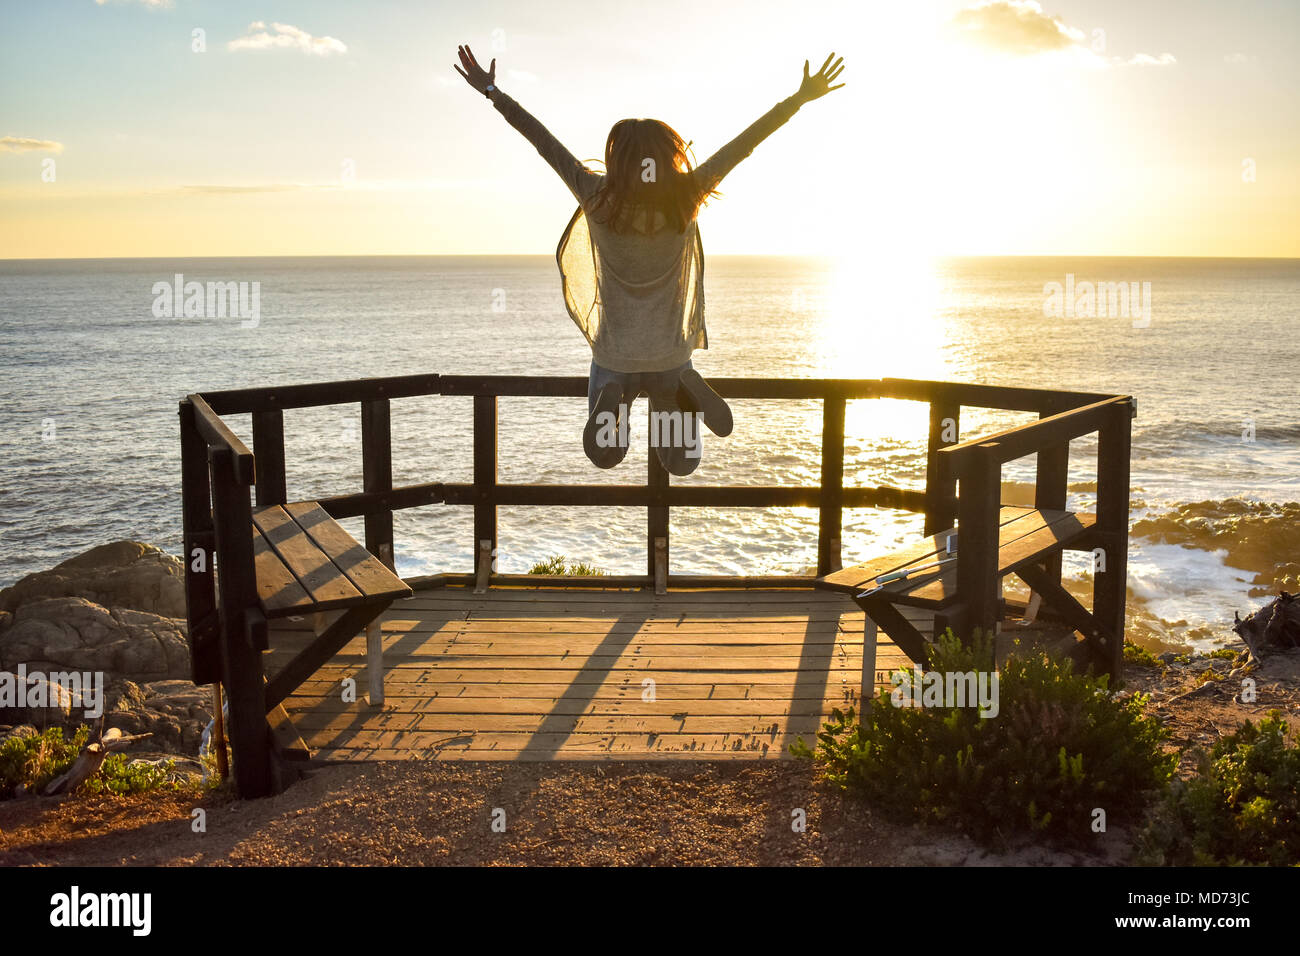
<point x="286" y="610"/>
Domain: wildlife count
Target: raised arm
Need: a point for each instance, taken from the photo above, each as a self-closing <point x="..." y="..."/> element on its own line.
<point x="710" y="172"/>
<point x="582" y="182"/>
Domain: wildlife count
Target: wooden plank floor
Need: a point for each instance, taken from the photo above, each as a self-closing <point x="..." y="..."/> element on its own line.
<point x="565" y="674"/>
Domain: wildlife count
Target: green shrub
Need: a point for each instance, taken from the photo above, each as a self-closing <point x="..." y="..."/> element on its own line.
<point x="118" y="776"/>
<point x="35" y="761"/>
<point x="1139" y="656"/>
<point x="555" y="564"/>
<point x="1060" y="746"/>
<point x="1243" y="805"/>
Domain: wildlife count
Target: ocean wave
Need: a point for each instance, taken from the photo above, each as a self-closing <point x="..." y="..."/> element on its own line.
<point x="1256" y="536"/>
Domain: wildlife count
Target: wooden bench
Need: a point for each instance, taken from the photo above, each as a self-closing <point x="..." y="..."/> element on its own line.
<point x="1027" y="537"/>
<point x="246" y="566"/>
<point x="307" y="564"/>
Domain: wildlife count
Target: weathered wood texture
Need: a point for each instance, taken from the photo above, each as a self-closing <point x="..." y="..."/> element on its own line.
<point x="560" y="674"/>
<point x="830" y="518"/>
<point x="199" y="551"/>
<point x="241" y="658"/>
<point x="306" y="563"/>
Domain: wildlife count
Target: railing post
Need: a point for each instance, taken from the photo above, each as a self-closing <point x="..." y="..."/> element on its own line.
<point x="377" y="474"/>
<point x="977" y="541"/>
<point x="241" y="660"/>
<point x="1110" y="573"/>
<point x="485" y="481"/>
<point x="268" y="452"/>
<point x="830" y="521"/>
<point x="1050" y="487"/>
<point x="199" y="552"/>
<point x="940" y="485"/>
<point x="657" y="544"/>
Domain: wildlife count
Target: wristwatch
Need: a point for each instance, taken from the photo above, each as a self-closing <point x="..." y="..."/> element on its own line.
<point x="491" y="88"/>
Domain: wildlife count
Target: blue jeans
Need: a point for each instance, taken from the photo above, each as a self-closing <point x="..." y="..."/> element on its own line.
<point x="658" y="385"/>
<point x="680" y="453"/>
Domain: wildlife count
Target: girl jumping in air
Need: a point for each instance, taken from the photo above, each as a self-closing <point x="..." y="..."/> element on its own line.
<point x="632" y="266"/>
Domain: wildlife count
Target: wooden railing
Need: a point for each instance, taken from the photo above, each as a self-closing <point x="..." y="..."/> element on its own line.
<point x="378" y="499"/>
<point x="228" y="632"/>
<point x="977" y="465"/>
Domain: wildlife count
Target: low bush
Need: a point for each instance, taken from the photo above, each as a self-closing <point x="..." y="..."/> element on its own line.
<point x="32" y="762"/>
<point x="1242" y="806"/>
<point x="117" y="775"/>
<point x="1139" y="656"/>
<point x="36" y="760"/>
<point x="557" y="564"/>
<point x="1060" y="747"/>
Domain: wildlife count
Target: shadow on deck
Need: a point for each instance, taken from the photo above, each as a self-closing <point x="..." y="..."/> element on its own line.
<point x="576" y="674"/>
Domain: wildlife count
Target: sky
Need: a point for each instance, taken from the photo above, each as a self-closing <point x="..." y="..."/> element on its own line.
<point x="1079" y="127"/>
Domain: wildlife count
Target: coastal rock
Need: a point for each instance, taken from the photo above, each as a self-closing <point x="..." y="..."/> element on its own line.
<point x="114" y="614"/>
<point x="71" y="633"/>
<point x="173" y="713"/>
<point x="117" y="614"/>
<point x="126" y="574"/>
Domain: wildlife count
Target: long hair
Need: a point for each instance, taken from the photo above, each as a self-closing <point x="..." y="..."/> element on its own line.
<point x="646" y="166"/>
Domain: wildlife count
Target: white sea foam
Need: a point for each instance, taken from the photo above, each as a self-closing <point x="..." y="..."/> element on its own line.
<point x="1188" y="587"/>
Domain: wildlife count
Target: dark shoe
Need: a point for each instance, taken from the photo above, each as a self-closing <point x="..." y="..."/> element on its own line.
<point x="709" y="404"/>
<point x="608" y="402"/>
<point x="677" y="462"/>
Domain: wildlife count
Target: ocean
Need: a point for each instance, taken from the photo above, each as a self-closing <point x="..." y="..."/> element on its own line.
<point x="91" y="376"/>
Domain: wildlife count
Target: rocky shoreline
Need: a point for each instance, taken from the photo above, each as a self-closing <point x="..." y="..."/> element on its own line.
<point x="113" y="617"/>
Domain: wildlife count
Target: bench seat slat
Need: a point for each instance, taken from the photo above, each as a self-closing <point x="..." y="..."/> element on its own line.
<point x="862" y="576"/>
<point x="1057" y="530"/>
<point x="319" y="576"/>
<point x="277" y="589"/>
<point x="368" y="574"/>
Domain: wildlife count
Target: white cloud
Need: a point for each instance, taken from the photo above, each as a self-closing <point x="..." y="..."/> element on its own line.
<point x="1015" y="26"/>
<point x="1021" y="28"/>
<point x="285" y="37"/>
<point x="521" y="76"/>
<point x="155" y="4"/>
<point x="22" y="144"/>
<point x="1145" y="59"/>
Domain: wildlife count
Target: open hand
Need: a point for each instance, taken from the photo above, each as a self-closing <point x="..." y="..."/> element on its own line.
<point x="819" y="84"/>
<point x="475" y="75"/>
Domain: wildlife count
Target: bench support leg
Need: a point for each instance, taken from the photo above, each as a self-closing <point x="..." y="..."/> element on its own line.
<point x="900" y="630"/>
<point x="1061" y="601"/>
<point x="329" y="643"/>
<point x="868" y="685"/>
<point x="1034" y="606"/>
<point x="375" y="663"/>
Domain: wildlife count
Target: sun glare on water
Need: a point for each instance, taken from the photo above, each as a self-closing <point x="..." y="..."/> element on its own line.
<point x="881" y="320"/>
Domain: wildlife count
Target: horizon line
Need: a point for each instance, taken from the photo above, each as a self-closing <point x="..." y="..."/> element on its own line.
<point x="549" y="255"/>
